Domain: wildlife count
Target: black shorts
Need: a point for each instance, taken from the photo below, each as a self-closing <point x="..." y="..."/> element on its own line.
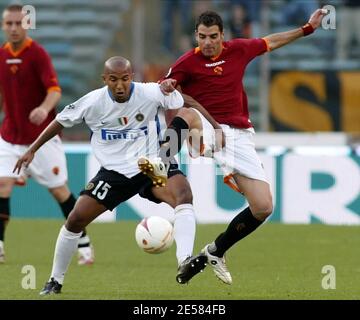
<point x="111" y="188"/>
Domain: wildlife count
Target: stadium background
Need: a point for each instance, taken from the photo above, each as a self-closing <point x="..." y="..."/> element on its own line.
<point x="306" y="87"/>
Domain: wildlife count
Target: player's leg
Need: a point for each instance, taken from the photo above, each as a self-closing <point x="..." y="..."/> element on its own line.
<point x="259" y="197"/>
<point x="86" y="210"/>
<point x="185" y="121"/>
<point x="188" y="123"/>
<point x="49" y="169"/>
<point x="177" y="193"/>
<point x="104" y="192"/>
<point x="66" y="201"/>
<point x="258" y="194"/>
<point x="6" y="186"/>
<point x="244" y="173"/>
<point x="8" y="156"/>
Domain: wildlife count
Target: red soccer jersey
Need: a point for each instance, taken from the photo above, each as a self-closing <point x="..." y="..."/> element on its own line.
<point x="216" y="83"/>
<point x="26" y="76"/>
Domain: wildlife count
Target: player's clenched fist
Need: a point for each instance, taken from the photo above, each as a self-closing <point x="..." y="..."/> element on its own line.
<point x="167" y="86"/>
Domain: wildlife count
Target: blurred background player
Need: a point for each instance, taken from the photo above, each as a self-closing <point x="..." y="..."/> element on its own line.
<point x="211" y="75"/>
<point x="29" y="93"/>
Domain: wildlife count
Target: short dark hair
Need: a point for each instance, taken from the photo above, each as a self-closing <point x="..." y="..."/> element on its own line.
<point x="208" y="19"/>
<point x="14" y="7"/>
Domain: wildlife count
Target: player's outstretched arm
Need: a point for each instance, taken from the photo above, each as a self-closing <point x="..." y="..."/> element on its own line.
<point x="50" y="131"/>
<point x="278" y="40"/>
<point x="190" y="102"/>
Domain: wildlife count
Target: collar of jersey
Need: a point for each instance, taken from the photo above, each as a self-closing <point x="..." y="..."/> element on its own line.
<point x="27" y="43"/>
<point x="197" y="51"/>
<point x="132" y="86"/>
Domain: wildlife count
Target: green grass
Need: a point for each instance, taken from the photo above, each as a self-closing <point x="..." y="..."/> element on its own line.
<point x="276" y="262"/>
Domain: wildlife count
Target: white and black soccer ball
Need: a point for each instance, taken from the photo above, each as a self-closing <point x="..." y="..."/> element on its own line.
<point x="154" y="234"/>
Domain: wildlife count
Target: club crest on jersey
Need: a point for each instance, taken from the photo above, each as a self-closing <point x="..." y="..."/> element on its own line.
<point x="218" y="70"/>
<point x="123" y="121"/>
<point x="14" y="68"/>
<point x="139" y="117"/>
<point x="89" y="186"/>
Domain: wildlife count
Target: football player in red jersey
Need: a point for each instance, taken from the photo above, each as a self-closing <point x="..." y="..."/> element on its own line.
<point x="211" y="76"/>
<point x="29" y="93"/>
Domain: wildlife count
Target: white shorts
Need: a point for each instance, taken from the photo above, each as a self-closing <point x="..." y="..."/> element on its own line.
<point x="48" y="166"/>
<point x="238" y="155"/>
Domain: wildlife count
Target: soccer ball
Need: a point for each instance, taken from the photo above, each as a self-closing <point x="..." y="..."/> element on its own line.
<point x="154" y="234"/>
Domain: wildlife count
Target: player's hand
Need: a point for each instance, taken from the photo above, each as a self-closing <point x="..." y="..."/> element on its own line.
<point x="38" y="115"/>
<point x="25" y="160"/>
<point x="316" y="17"/>
<point x="219" y="139"/>
<point x="167" y="86"/>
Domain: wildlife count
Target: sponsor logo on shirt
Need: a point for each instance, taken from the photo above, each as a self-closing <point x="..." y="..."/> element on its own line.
<point x="210" y="65"/>
<point x="127" y="134"/>
<point x="13" y="61"/>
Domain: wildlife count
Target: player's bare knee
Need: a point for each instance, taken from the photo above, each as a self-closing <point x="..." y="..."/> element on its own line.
<point x="76" y="222"/>
<point x="61" y="194"/>
<point x="188" y="115"/>
<point x="5" y="188"/>
<point x="262" y="210"/>
<point x="183" y="195"/>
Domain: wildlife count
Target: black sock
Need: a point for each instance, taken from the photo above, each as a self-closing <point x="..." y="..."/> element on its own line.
<point x="67" y="205"/>
<point x="66" y="208"/>
<point x="242" y="225"/>
<point x="2" y="228"/>
<point x="169" y="148"/>
<point x="4" y="215"/>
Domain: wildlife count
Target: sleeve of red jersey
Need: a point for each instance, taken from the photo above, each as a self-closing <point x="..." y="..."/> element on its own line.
<point x="178" y="72"/>
<point x="47" y="71"/>
<point x="252" y="47"/>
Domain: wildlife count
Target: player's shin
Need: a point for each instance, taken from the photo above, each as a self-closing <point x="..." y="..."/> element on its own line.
<point x="67" y="205"/>
<point x="4" y="215"/>
<point x="66" y="208"/>
<point x="175" y="136"/>
<point x="66" y="245"/>
<point x="184" y="231"/>
<point x="241" y="226"/>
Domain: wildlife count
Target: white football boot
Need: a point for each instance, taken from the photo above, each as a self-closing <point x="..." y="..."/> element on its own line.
<point x="2" y="252"/>
<point x="219" y="266"/>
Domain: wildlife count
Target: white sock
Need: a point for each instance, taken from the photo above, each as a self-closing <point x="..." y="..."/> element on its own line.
<point x="184" y="231"/>
<point x="66" y="245"/>
<point x="84" y="240"/>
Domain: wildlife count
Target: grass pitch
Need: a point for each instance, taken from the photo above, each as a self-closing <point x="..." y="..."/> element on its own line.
<point x="275" y="262"/>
